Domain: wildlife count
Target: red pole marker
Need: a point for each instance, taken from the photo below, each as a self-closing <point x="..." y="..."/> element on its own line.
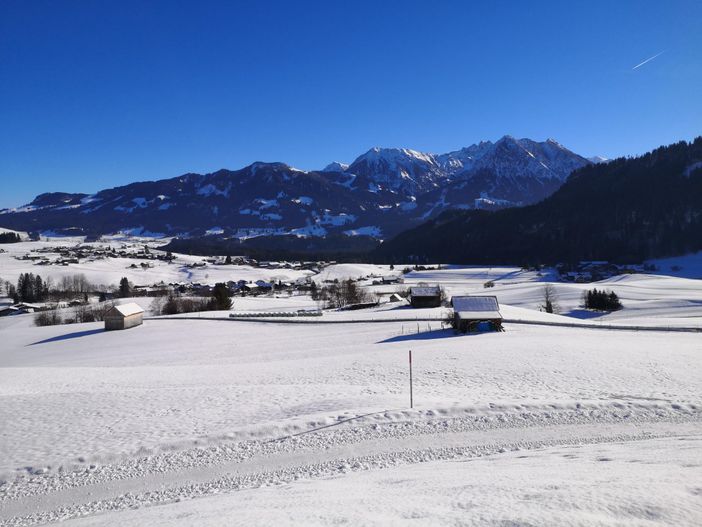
<point x="410" y="371"/>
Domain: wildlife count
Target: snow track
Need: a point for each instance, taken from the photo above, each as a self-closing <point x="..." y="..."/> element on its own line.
<point x="196" y="472"/>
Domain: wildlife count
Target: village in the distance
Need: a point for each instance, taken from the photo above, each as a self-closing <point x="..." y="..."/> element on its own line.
<point x="65" y="294"/>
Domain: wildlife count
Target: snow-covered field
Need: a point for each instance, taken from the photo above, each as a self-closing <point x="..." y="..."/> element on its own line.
<point x="109" y="271"/>
<point x="648" y="300"/>
<point x="226" y="422"/>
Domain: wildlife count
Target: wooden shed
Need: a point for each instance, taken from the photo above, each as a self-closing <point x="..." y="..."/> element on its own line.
<point x="425" y="296"/>
<point x="124" y="316"/>
<point x="476" y="313"/>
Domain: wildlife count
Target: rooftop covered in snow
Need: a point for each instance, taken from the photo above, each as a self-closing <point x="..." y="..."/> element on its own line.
<point x="476" y="307"/>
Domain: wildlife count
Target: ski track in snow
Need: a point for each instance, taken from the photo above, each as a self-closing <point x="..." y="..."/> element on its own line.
<point x="171" y="477"/>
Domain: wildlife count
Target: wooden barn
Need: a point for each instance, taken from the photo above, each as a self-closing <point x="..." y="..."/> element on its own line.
<point x="476" y="313"/>
<point x="425" y="296"/>
<point x="124" y="316"/>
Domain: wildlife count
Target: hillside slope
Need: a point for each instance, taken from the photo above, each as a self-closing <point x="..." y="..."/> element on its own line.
<point x="629" y="209"/>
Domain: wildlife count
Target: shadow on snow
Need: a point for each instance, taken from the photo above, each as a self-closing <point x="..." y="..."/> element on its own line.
<point x="67" y="336"/>
<point x="425" y="335"/>
<point x="584" y="314"/>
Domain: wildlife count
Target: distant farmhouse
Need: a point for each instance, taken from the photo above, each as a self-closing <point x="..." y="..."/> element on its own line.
<point x="124" y="316"/>
<point x="476" y="313"/>
<point x="6" y="311"/>
<point x="425" y="296"/>
<point x="19" y="309"/>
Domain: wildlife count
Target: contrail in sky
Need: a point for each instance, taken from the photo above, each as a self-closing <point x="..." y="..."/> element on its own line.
<point x="648" y="60"/>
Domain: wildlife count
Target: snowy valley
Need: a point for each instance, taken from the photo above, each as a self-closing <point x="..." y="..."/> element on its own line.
<point x="186" y="417"/>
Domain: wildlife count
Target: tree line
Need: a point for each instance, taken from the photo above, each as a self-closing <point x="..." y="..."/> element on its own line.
<point x="339" y="294"/>
<point x="601" y="300"/>
<point x="9" y="237"/>
<point x="220" y="300"/>
<point x="32" y="288"/>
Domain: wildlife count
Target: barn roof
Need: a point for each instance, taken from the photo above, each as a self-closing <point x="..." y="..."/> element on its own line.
<point x="479" y="315"/>
<point x="476" y="307"/>
<point x="27" y="305"/>
<point x="126" y="310"/>
<point x="425" y="291"/>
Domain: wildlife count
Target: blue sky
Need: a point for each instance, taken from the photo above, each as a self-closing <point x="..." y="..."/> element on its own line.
<point x="99" y="94"/>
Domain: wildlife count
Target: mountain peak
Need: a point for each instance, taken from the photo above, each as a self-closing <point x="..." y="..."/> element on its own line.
<point x="275" y="166"/>
<point x="393" y="155"/>
<point x="336" y="166"/>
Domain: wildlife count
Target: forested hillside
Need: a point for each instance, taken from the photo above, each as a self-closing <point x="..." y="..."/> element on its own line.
<point x="627" y="210"/>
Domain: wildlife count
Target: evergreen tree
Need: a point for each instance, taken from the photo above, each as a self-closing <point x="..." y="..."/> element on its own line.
<point x="40" y="290"/>
<point x="602" y="300"/>
<point x="30" y="288"/>
<point x="9" y="237"/>
<point x="220" y="298"/>
<point x="12" y="293"/>
<point x="125" y="289"/>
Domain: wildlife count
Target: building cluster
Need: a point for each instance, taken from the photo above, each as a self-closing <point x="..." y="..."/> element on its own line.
<point x="235" y="287"/>
<point x="19" y="309"/>
<point x="22" y="308"/>
<point x="388" y="280"/>
<point x="66" y="255"/>
<point x="314" y="267"/>
<point x="595" y="270"/>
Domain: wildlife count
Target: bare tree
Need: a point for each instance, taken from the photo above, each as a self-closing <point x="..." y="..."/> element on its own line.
<point x="100" y="309"/>
<point x="444" y="297"/>
<point x="550" y="304"/>
<point x="342" y="294"/>
<point x="70" y="286"/>
<point x="156" y="306"/>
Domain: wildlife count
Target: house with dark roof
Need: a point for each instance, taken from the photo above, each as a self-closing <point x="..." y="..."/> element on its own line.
<point x="476" y="313"/>
<point x="425" y="296"/>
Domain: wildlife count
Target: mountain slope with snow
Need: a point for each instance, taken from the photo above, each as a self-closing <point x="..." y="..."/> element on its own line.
<point x="381" y="193"/>
<point x="626" y="210"/>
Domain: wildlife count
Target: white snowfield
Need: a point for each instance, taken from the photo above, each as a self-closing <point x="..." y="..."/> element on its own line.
<point x="226" y="422"/>
<point x="110" y="270"/>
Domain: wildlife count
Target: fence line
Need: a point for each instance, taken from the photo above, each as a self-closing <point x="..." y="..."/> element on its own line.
<point x="619" y="327"/>
<point x="319" y="320"/>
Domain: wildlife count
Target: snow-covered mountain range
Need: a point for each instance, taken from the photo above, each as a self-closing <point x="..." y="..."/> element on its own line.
<point x="382" y="192"/>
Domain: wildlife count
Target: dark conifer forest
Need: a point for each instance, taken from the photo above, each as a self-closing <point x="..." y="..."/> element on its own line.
<point x="626" y="210"/>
